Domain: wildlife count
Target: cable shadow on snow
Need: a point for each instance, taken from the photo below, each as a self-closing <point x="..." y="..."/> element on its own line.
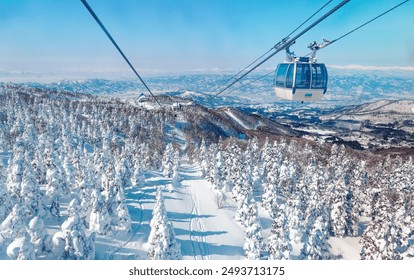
<point x="179" y="231"/>
<point x="183" y="217"/>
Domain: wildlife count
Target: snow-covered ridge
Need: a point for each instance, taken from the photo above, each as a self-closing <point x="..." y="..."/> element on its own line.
<point x="346" y="86"/>
<point x="384" y="111"/>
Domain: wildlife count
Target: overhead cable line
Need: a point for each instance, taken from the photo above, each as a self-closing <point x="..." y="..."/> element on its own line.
<point x="371" y="20"/>
<point x="286" y="44"/>
<point x="364" y="24"/>
<point x="252" y="81"/>
<point x="309" y="18"/>
<point x="275" y="46"/>
<point x="118" y="48"/>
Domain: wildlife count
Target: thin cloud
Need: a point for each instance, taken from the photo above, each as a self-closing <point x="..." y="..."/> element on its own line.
<point x="371" y="68"/>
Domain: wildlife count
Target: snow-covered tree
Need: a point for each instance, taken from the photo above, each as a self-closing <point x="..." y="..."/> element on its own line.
<point x="316" y="246"/>
<point x="161" y="241"/>
<point x="257" y="181"/>
<point x="13" y="226"/>
<point x="295" y="218"/>
<point x="233" y="167"/>
<point x="271" y="192"/>
<point x="39" y="162"/>
<point x="203" y="157"/>
<point x="56" y="186"/>
<point x="121" y="219"/>
<point x="217" y="176"/>
<point x="138" y="177"/>
<point x="30" y="193"/>
<point x="5" y="199"/>
<point x="279" y="244"/>
<point x="39" y="237"/>
<point x="253" y="241"/>
<point x="175" y="180"/>
<point x="84" y="194"/>
<point x="77" y="245"/>
<point x="21" y="248"/>
<point x="15" y="171"/>
<point x="382" y="239"/>
<point x="339" y="215"/>
<point x="124" y="168"/>
<point x="356" y="197"/>
<point x="243" y="194"/>
<point x="168" y="160"/>
<point x="99" y="219"/>
<point x="70" y="173"/>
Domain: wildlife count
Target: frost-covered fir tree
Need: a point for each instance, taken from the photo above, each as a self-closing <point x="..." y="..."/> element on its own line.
<point x="295" y="218"/>
<point x="314" y="192"/>
<point x="30" y="193"/>
<point x="340" y="194"/>
<point x="271" y="192"/>
<point x="138" y="177"/>
<point x="253" y="241"/>
<point x="168" y="160"/>
<point x="84" y="194"/>
<point x="77" y="245"/>
<point x="208" y="163"/>
<point x="15" y="171"/>
<point x="175" y="181"/>
<point x="243" y="194"/>
<point x="357" y="198"/>
<point x="279" y="243"/>
<point x="203" y="158"/>
<point x="162" y="244"/>
<point x="38" y="162"/>
<point x="70" y="173"/>
<point x="29" y="137"/>
<point x="99" y="219"/>
<point x="56" y="186"/>
<point x="21" y="248"/>
<point x="218" y="180"/>
<point x="233" y="167"/>
<point x="39" y="237"/>
<point x="5" y="199"/>
<point x="315" y="245"/>
<point x="339" y="215"/>
<point x="257" y="181"/>
<point x="13" y="226"/>
<point x="382" y="239"/>
<point x="124" y="168"/>
<point x="241" y="184"/>
<point x="121" y="219"/>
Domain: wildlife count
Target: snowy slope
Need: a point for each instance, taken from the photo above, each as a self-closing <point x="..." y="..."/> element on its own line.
<point x="204" y="231"/>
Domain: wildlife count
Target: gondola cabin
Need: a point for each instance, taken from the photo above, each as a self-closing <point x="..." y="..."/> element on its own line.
<point x="301" y="80"/>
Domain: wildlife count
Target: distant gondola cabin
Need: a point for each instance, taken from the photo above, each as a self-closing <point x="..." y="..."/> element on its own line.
<point x="301" y="80"/>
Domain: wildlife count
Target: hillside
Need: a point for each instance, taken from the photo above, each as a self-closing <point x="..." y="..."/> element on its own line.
<point x="83" y="176"/>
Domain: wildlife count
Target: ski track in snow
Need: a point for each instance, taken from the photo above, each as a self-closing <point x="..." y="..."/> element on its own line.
<point x="198" y="242"/>
<point x="195" y="224"/>
<point x="134" y="228"/>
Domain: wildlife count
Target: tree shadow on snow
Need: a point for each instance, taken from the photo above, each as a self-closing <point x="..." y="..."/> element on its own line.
<point x="187" y="247"/>
<point x="158" y="182"/>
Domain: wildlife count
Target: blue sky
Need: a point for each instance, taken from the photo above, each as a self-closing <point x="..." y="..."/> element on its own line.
<point x="183" y="35"/>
